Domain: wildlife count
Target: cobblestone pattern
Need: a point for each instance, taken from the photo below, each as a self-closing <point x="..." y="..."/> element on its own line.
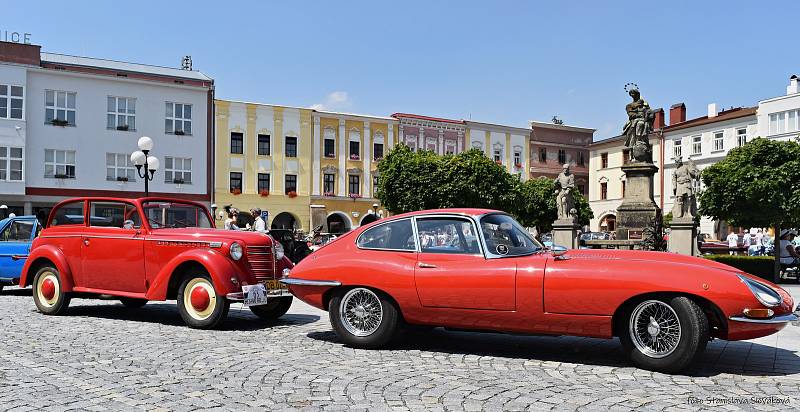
<point x="102" y="356"/>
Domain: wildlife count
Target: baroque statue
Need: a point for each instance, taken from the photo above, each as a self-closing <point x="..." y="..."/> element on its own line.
<point x="639" y="125"/>
<point x="683" y="187"/>
<point x="565" y="203"/>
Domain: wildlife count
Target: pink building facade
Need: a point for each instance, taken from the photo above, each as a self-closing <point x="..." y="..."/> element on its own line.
<point x="443" y="136"/>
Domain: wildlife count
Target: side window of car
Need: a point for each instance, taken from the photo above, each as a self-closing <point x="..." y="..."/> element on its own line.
<point x="113" y="214"/>
<point x="447" y="235"/>
<point x="397" y="235"/>
<point x="17" y="231"/>
<point x="69" y="214"/>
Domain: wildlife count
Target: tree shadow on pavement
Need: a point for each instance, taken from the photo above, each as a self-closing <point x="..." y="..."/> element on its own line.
<point x="579" y="350"/>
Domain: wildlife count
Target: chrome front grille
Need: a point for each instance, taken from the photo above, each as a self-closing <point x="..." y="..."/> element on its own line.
<point x="261" y="262"/>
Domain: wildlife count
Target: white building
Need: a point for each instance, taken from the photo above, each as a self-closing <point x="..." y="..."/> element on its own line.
<point x="779" y="117"/>
<point x="68" y="125"/>
<point x="706" y="140"/>
<point x="507" y="145"/>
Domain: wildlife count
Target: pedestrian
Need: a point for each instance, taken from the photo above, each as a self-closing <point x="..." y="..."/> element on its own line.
<point x="759" y="242"/>
<point x="789" y="255"/>
<point x="733" y="242"/>
<point x="258" y="223"/>
<point x="746" y="241"/>
<point x="230" y="222"/>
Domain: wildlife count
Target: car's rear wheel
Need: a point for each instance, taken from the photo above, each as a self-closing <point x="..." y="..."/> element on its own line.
<point x="199" y="304"/>
<point x="363" y="318"/>
<point x="665" y="335"/>
<point x="275" y="308"/>
<point x="48" y="295"/>
<point x="133" y="303"/>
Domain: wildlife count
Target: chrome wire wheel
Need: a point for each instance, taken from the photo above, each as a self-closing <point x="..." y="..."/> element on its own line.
<point x="655" y="329"/>
<point x="361" y="312"/>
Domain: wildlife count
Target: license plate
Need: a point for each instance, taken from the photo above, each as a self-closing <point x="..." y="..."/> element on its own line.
<point x="274" y="285"/>
<point x="254" y="294"/>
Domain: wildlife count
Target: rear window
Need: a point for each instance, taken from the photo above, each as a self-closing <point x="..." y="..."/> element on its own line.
<point x="397" y="235"/>
<point x="68" y="214"/>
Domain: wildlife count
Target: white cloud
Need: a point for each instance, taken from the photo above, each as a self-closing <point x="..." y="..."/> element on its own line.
<point x="335" y="101"/>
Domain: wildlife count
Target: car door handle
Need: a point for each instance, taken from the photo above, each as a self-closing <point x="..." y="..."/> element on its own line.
<point x="425" y="265"/>
<point x="18" y="257"/>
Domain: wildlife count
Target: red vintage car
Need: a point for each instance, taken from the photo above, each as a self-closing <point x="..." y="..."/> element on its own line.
<point x="145" y="249"/>
<point x="480" y="270"/>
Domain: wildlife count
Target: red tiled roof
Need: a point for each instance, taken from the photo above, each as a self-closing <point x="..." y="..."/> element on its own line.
<point x="434" y="119"/>
<point x="730" y="114"/>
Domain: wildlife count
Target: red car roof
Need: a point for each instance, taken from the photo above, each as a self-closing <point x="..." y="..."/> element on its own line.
<point x="458" y="211"/>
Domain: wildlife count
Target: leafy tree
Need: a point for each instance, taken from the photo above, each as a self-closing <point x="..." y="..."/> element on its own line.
<point x="536" y="205"/>
<point x="756" y="185"/>
<point x="408" y="180"/>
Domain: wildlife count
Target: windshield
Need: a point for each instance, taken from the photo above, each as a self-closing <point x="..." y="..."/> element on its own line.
<point x="174" y="215"/>
<point x="505" y="237"/>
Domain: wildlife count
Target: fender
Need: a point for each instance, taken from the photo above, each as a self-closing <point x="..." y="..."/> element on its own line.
<point x="53" y="254"/>
<point x="217" y="265"/>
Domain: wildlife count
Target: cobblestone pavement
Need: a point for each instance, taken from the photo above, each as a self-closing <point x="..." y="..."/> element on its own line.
<point x="104" y="356"/>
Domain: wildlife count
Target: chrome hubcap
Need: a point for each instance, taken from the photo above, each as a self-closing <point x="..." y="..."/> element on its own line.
<point x="361" y="312"/>
<point x="655" y="329"/>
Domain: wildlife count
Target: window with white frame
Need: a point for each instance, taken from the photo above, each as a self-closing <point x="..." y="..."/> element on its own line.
<point x="497" y="155"/>
<point x="517" y="158"/>
<point x="119" y="167"/>
<point x="177" y="170"/>
<point x="11" y="102"/>
<point x="783" y="122"/>
<point x="59" y="107"/>
<point x="677" y="148"/>
<point x="121" y="113"/>
<point x="697" y="144"/>
<point x="11" y="163"/>
<point x="719" y="141"/>
<point x="741" y="136"/>
<point x="178" y="118"/>
<point x="59" y="163"/>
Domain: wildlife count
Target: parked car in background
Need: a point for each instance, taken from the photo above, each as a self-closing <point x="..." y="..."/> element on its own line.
<point x="16" y="235"/>
<point x="546" y="239"/>
<point x="489" y="274"/>
<point x="592" y="236"/>
<point x="154" y="249"/>
<point x="707" y="245"/>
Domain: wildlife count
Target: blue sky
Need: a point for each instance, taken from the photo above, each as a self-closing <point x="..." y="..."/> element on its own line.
<point x="495" y="61"/>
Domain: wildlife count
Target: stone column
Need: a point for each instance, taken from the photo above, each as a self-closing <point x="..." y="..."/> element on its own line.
<point x="638" y="209"/>
<point x="389" y="138"/>
<point x="315" y="160"/>
<point x="565" y="233"/>
<point x="683" y="236"/>
<point x="341" y="189"/>
<point x="367" y="153"/>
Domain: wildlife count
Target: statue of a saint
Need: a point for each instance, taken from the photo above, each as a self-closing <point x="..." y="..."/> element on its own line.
<point x="683" y="179"/>
<point x="564" y="184"/>
<point x="639" y="125"/>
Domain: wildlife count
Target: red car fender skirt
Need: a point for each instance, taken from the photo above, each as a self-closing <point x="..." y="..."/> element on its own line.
<point x="52" y="254"/>
<point x="217" y="265"/>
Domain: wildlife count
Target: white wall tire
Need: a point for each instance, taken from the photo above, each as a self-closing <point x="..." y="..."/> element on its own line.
<point x="48" y="295"/>
<point x="199" y="304"/>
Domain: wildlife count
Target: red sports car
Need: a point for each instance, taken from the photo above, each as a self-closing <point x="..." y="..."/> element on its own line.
<point x="145" y="249"/>
<point x="480" y="270"/>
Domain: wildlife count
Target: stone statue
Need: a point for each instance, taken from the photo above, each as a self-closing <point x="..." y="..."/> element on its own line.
<point x="565" y="204"/>
<point x="639" y="125"/>
<point x="683" y="179"/>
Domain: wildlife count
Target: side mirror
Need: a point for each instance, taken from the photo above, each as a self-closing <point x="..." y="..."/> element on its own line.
<point x="559" y="252"/>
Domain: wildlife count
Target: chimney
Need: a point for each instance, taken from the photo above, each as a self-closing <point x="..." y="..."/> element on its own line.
<point x="677" y="113"/>
<point x="712" y="110"/>
<point x="186" y="63"/>
<point x="658" y="123"/>
<point x="793" y="87"/>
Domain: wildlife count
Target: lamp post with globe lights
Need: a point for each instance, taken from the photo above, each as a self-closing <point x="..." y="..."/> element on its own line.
<point x="142" y="160"/>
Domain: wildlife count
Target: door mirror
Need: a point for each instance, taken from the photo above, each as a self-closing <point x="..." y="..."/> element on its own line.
<point x="559" y="252"/>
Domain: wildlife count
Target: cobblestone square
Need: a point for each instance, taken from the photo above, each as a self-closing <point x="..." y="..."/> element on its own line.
<point x="102" y="356"/>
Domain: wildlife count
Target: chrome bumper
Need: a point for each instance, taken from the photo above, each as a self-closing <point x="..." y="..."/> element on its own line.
<point x="309" y="282"/>
<point x="789" y="317"/>
<point x="239" y="296"/>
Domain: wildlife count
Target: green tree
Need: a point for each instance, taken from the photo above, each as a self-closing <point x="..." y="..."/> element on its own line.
<point x="536" y="205"/>
<point x="756" y="185"/>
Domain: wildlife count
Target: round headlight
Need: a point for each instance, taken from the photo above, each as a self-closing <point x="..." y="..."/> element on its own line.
<point x="278" y="251"/>
<point x="765" y="294"/>
<point x="236" y="251"/>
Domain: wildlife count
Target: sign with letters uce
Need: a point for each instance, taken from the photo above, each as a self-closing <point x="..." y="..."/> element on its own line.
<point x="15" y="37"/>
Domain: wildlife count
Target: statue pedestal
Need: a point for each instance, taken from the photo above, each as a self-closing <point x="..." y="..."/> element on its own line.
<point x="565" y="233"/>
<point x="638" y="210"/>
<point x="683" y="236"/>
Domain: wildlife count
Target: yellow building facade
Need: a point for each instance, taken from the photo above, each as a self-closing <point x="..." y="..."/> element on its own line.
<point x="263" y="159"/>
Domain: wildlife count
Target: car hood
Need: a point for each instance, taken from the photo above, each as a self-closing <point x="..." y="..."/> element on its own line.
<point x="212" y="235"/>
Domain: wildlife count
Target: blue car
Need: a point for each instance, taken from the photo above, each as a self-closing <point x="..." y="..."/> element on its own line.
<point x="16" y="235"/>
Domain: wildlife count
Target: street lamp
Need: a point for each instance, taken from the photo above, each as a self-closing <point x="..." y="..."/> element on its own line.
<point x="141" y="158"/>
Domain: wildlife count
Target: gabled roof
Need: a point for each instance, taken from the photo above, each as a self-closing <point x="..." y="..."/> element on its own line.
<point x="735" y="113"/>
<point x="122" y="66"/>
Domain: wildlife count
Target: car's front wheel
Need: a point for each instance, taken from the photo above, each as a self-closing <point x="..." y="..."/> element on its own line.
<point x="665" y="335"/>
<point x="48" y="295"/>
<point x="199" y="304"/>
<point x="275" y="308"/>
<point x="363" y="318"/>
